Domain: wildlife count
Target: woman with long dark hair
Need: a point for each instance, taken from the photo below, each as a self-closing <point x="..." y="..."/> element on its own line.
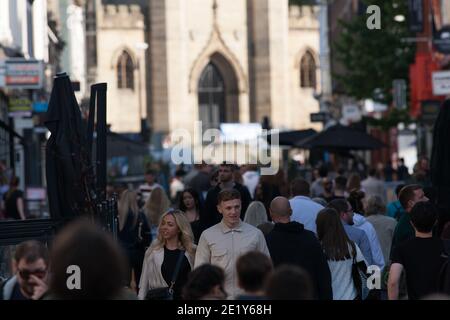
<point x="266" y="191"/>
<point x="341" y="253"/>
<point x="356" y="199"/>
<point x="190" y="204"/>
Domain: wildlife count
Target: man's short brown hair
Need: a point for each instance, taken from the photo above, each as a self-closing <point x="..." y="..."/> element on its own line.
<point x="31" y="251"/>
<point x="300" y="187"/>
<point x="99" y="257"/>
<point x="253" y="269"/>
<point x="290" y="282"/>
<point x="340" y="205"/>
<point x="227" y="195"/>
<point x="407" y="194"/>
<point x="232" y="166"/>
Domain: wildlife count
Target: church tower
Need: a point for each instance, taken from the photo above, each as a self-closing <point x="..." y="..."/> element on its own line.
<point x="121" y="62"/>
<point x="199" y="63"/>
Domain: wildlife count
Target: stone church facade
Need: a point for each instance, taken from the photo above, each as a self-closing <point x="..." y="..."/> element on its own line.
<point x="174" y="62"/>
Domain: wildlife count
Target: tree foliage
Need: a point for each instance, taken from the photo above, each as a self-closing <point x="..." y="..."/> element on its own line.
<point x="391" y="119"/>
<point x="372" y="59"/>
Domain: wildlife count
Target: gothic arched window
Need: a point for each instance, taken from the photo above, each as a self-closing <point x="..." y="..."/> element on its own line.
<point x="308" y="71"/>
<point x="211" y="97"/>
<point x="125" y="71"/>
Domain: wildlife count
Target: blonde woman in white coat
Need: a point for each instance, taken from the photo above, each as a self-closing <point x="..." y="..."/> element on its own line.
<point x="174" y="235"/>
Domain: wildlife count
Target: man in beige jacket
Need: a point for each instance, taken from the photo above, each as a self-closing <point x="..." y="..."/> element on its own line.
<point x="224" y="242"/>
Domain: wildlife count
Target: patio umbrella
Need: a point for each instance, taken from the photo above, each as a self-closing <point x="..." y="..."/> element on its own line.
<point x="339" y="138"/>
<point x="289" y="138"/>
<point x="440" y="162"/>
<point x="65" y="152"/>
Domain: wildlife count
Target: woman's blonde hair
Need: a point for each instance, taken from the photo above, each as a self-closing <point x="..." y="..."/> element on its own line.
<point x="127" y="203"/>
<point x="185" y="235"/>
<point x="256" y="214"/>
<point x="156" y="205"/>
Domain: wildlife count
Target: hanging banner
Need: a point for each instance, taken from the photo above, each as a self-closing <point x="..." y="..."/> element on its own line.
<point x="416" y="19"/>
<point x="399" y="88"/>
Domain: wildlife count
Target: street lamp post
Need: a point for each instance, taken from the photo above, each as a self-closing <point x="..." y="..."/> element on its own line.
<point x="30" y="28"/>
<point x="324" y="53"/>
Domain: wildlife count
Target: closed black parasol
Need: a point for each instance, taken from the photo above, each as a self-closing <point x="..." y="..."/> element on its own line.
<point x="65" y="152"/>
<point x="289" y="138"/>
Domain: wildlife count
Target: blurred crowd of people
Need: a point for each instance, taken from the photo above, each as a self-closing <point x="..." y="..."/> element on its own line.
<point x="227" y="232"/>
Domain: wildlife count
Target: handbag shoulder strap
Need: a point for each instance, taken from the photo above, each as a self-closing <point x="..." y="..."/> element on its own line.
<point x="363" y="267"/>
<point x="177" y="269"/>
<point x="354" y="252"/>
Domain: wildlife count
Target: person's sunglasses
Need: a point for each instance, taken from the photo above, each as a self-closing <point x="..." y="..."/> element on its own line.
<point x="25" y="274"/>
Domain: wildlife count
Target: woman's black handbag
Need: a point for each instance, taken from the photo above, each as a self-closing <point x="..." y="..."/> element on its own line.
<point x="359" y="278"/>
<point x="160" y="294"/>
<point x="166" y="293"/>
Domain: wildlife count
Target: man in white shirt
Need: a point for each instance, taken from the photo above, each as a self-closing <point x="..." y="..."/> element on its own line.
<point x="176" y="186"/>
<point x="147" y="188"/>
<point x="223" y="243"/>
<point x="304" y="210"/>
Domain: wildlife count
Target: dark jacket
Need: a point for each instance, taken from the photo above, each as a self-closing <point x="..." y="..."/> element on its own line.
<point x="290" y="243"/>
<point x="7" y="288"/>
<point x="403" y="231"/>
<point x="200" y="183"/>
<point x="135" y="237"/>
<point x="211" y="216"/>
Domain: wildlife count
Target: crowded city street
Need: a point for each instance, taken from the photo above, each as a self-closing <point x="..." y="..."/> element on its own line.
<point x="242" y="151"/>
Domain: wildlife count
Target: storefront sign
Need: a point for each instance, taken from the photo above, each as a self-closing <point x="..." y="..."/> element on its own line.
<point x="19" y="73"/>
<point x="19" y="107"/>
<point x="415" y="10"/>
<point x="441" y="83"/>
